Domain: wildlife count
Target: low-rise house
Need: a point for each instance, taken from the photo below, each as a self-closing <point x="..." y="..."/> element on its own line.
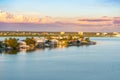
<point x="54" y="42"/>
<point x="97" y="34"/>
<point x="23" y="45"/>
<point x="9" y="48"/>
<point x="47" y="43"/>
<point x="78" y="42"/>
<point x="39" y="42"/>
<point x="4" y="46"/>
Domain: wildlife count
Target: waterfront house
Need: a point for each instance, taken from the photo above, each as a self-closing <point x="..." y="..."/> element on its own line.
<point x="54" y="42"/>
<point x="47" y="43"/>
<point x="78" y="42"/>
<point x="2" y="45"/>
<point x="23" y="45"/>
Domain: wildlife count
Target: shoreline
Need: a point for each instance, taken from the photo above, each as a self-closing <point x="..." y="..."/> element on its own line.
<point x="37" y="34"/>
<point x="43" y="42"/>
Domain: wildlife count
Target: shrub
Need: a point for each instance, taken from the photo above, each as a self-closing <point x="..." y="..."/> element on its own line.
<point x="30" y="41"/>
<point x="87" y="39"/>
<point x="11" y="42"/>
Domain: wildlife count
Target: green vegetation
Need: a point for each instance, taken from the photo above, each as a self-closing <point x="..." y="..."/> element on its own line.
<point x="11" y="42"/>
<point x="46" y="41"/>
<point x="14" y="51"/>
<point x="0" y="44"/>
<point x="87" y="39"/>
<point x="30" y="42"/>
<point x="40" y="34"/>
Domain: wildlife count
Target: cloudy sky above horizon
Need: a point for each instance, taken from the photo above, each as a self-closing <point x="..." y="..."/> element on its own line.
<point x="63" y="8"/>
<point x="80" y="15"/>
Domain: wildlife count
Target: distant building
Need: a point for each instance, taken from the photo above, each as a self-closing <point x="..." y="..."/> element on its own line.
<point x="62" y="33"/>
<point x="80" y="33"/>
<point x="115" y="33"/>
<point x="97" y="34"/>
<point x="105" y="33"/>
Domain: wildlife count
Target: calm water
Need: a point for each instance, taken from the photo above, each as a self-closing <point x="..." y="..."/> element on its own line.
<point x="95" y="62"/>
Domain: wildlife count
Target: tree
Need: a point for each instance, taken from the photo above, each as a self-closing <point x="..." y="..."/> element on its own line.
<point x="11" y="42"/>
<point x="87" y="39"/>
<point x="70" y="37"/>
<point x="0" y="44"/>
<point x="30" y="41"/>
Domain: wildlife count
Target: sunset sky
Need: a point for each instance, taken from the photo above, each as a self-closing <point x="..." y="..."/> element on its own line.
<point x="82" y="15"/>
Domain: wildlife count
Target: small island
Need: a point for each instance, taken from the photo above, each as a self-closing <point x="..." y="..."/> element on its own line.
<point x="31" y="43"/>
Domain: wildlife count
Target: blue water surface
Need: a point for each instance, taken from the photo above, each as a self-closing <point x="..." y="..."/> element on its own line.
<point x="94" y="62"/>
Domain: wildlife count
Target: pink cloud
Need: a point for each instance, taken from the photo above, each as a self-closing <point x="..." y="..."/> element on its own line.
<point x="22" y="22"/>
<point x="94" y="20"/>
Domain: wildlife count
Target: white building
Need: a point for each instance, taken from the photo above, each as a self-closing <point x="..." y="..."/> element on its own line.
<point x="23" y="45"/>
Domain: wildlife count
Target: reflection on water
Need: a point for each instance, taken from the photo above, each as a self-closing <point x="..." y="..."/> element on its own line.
<point x="94" y="62"/>
<point x="36" y="49"/>
<point x="11" y="51"/>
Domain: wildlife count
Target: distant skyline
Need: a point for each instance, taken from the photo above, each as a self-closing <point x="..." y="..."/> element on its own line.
<point x="63" y="8"/>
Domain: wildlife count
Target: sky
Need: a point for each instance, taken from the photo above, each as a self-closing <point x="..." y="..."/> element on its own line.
<point x="63" y="8"/>
<point x="60" y="15"/>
